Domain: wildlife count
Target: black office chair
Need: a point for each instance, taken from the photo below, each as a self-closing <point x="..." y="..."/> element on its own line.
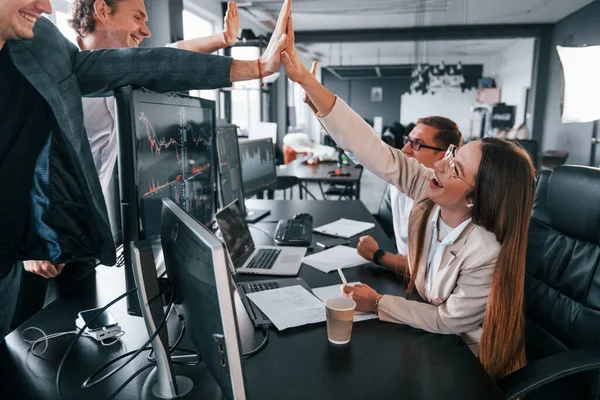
<point x="384" y="214"/>
<point x="562" y="290"/>
<point x="284" y="183"/>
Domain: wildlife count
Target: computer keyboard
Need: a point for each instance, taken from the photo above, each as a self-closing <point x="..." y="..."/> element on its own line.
<point x="296" y="232"/>
<point x="264" y="259"/>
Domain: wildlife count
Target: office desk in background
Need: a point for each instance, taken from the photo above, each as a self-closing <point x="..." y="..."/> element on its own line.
<point x="320" y="174"/>
<point x="382" y="361"/>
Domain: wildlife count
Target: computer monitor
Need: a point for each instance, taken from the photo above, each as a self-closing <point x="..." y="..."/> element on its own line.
<point x="165" y="150"/>
<point x="230" y="172"/>
<point x="197" y="266"/>
<point x="258" y="166"/>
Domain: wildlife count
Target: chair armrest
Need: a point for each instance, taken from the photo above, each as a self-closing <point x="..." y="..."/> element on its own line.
<point x="547" y="370"/>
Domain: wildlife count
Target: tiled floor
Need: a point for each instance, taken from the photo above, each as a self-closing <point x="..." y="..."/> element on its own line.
<point x="370" y="192"/>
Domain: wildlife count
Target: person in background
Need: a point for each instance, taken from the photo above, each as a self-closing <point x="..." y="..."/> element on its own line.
<point x="467" y="238"/>
<point x="427" y="143"/>
<point x="103" y="24"/>
<point x="56" y="211"/>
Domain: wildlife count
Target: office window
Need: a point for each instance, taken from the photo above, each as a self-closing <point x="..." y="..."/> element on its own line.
<point x="297" y="110"/>
<point x="245" y="96"/>
<point x="195" y="27"/>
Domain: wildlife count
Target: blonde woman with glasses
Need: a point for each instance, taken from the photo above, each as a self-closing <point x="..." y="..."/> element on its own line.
<point x="467" y="231"/>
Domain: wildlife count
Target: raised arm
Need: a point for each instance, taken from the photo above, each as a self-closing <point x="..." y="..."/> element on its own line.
<point x="353" y="134"/>
<point x="165" y="69"/>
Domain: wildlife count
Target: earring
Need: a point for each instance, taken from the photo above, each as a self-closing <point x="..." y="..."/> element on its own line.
<point x="470" y="205"/>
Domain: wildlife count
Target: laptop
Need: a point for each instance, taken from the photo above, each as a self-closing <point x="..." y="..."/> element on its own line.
<point x="247" y="258"/>
<point x="258" y="318"/>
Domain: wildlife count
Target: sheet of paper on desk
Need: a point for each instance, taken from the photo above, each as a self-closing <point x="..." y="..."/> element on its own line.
<point x="336" y="291"/>
<point x="344" y="228"/>
<point x="289" y="306"/>
<point x="334" y="258"/>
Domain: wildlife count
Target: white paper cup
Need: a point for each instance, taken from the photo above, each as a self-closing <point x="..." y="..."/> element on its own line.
<point x="340" y="315"/>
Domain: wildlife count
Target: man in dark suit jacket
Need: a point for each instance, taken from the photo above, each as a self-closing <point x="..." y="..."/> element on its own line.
<point x="53" y="207"/>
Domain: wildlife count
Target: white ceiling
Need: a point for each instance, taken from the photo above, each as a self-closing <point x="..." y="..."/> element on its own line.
<point x="362" y="14"/>
<point x="369" y="52"/>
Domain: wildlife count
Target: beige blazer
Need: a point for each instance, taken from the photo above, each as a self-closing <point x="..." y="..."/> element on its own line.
<point x="461" y="286"/>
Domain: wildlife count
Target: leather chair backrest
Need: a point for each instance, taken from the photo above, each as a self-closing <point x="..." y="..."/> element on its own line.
<point x="562" y="283"/>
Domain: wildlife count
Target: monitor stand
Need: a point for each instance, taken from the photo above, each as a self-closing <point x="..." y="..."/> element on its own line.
<point x="256" y="215"/>
<point x="162" y="382"/>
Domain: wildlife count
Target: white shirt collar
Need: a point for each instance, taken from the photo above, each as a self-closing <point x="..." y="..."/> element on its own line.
<point x="454" y="234"/>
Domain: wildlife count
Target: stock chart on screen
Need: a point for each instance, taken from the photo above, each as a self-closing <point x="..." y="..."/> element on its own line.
<point x="174" y="159"/>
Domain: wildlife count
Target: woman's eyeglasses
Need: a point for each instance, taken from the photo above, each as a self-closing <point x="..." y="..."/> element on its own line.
<point x="448" y="166"/>
<point x="417" y="145"/>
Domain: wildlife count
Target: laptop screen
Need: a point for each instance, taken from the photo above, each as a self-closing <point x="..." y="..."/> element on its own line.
<point x="236" y="234"/>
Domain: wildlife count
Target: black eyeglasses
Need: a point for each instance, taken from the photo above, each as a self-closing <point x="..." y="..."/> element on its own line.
<point x="416" y="145"/>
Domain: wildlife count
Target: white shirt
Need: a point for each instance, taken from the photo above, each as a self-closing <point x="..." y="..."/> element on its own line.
<point x="448" y="236"/>
<point x="99" y="120"/>
<point x="401" y="205"/>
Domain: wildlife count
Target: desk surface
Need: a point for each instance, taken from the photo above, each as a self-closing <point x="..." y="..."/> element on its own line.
<point x="383" y="360"/>
<point x="319" y="172"/>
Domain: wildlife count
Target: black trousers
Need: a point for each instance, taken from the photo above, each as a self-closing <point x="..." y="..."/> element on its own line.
<point x="35" y="292"/>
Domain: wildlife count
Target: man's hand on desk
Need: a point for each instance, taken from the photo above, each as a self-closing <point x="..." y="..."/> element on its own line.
<point x="363" y="295"/>
<point x="367" y="246"/>
<point x="43" y="268"/>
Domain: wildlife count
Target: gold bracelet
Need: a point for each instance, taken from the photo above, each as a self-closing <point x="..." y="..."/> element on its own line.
<point x="379" y="296"/>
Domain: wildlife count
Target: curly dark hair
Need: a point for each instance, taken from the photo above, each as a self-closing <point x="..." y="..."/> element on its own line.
<point x="82" y="15"/>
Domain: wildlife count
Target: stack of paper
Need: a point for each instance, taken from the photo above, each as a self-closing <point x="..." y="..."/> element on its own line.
<point x="336" y="291"/>
<point x="334" y="258"/>
<point x="292" y="306"/>
<point x="289" y="306"/>
<point x="344" y="228"/>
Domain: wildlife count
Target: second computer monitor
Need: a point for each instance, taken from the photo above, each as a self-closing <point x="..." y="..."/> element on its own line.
<point x="258" y="166"/>
<point x="230" y="175"/>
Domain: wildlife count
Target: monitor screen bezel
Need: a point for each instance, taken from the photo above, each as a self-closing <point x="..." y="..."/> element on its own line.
<point x="220" y="170"/>
<point x="225" y="294"/>
<point x="126" y="99"/>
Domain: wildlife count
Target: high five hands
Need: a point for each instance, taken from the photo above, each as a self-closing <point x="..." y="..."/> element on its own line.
<point x="271" y="58"/>
<point x="294" y="67"/>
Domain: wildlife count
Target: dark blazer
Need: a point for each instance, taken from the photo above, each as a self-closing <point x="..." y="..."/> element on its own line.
<point x="69" y="220"/>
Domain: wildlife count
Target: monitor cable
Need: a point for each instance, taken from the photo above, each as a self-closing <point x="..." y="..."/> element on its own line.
<point x="80" y="333"/>
<point x="93" y="381"/>
<point x="260" y="347"/>
<point x="46" y="338"/>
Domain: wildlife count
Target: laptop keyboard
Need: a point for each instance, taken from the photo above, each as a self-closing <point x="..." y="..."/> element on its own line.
<point x="261" y="287"/>
<point x="264" y="259"/>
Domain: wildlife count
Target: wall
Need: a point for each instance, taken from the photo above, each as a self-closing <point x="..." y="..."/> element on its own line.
<point x="357" y="93"/>
<point x="512" y="70"/>
<point x="580" y="27"/>
<point x="164" y="21"/>
<point x="453" y="105"/>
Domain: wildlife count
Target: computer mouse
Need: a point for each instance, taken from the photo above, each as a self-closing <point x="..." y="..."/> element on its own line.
<point x="303" y="216"/>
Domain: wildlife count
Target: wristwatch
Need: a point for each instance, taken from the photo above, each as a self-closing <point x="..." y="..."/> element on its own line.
<point x="377" y="256"/>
